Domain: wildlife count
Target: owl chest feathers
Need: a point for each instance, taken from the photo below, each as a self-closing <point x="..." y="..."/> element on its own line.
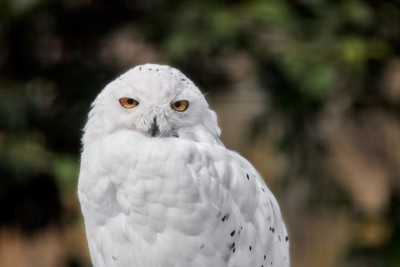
<point x="182" y="200"/>
<point x="143" y="195"/>
<point x="140" y="178"/>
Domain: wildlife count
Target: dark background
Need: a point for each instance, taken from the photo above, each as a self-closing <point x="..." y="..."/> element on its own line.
<point x="308" y="91"/>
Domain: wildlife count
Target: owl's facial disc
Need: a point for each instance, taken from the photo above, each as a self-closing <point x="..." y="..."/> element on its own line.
<point x="155" y="101"/>
<point x="153" y="118"/>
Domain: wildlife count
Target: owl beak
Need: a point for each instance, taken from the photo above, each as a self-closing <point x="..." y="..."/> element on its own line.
<point x="154" y="128"/>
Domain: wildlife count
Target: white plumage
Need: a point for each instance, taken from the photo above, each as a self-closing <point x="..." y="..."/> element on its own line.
<point x="158" y="188"/>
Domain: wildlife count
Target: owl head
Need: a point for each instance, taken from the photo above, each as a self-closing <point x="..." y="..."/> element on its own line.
<point x="156" y="101"/>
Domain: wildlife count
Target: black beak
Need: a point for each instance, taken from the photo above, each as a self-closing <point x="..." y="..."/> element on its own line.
<point x="154" y="128"/>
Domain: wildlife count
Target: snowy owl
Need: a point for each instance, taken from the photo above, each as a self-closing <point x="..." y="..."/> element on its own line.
<point x="159" y="189"/>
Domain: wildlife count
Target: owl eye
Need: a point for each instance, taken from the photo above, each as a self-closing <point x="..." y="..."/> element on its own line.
<point x="127" y="102"/>
<point x="180" y="105"/>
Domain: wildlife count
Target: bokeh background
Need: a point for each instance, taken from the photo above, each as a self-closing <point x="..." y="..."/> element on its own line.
<point x="308" y="90"/>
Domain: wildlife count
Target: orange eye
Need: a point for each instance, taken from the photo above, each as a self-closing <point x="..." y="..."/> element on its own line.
<point x="180" y="105"/>
<point x="127" y="102"/>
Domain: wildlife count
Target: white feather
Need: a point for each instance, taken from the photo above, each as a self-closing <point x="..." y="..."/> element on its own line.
<point x="167" y="201"/>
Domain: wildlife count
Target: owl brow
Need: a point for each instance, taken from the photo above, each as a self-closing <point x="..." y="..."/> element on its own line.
<point x="130" y="84"/>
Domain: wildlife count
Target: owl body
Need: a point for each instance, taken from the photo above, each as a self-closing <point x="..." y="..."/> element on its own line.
<point x="158" y="188"/>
